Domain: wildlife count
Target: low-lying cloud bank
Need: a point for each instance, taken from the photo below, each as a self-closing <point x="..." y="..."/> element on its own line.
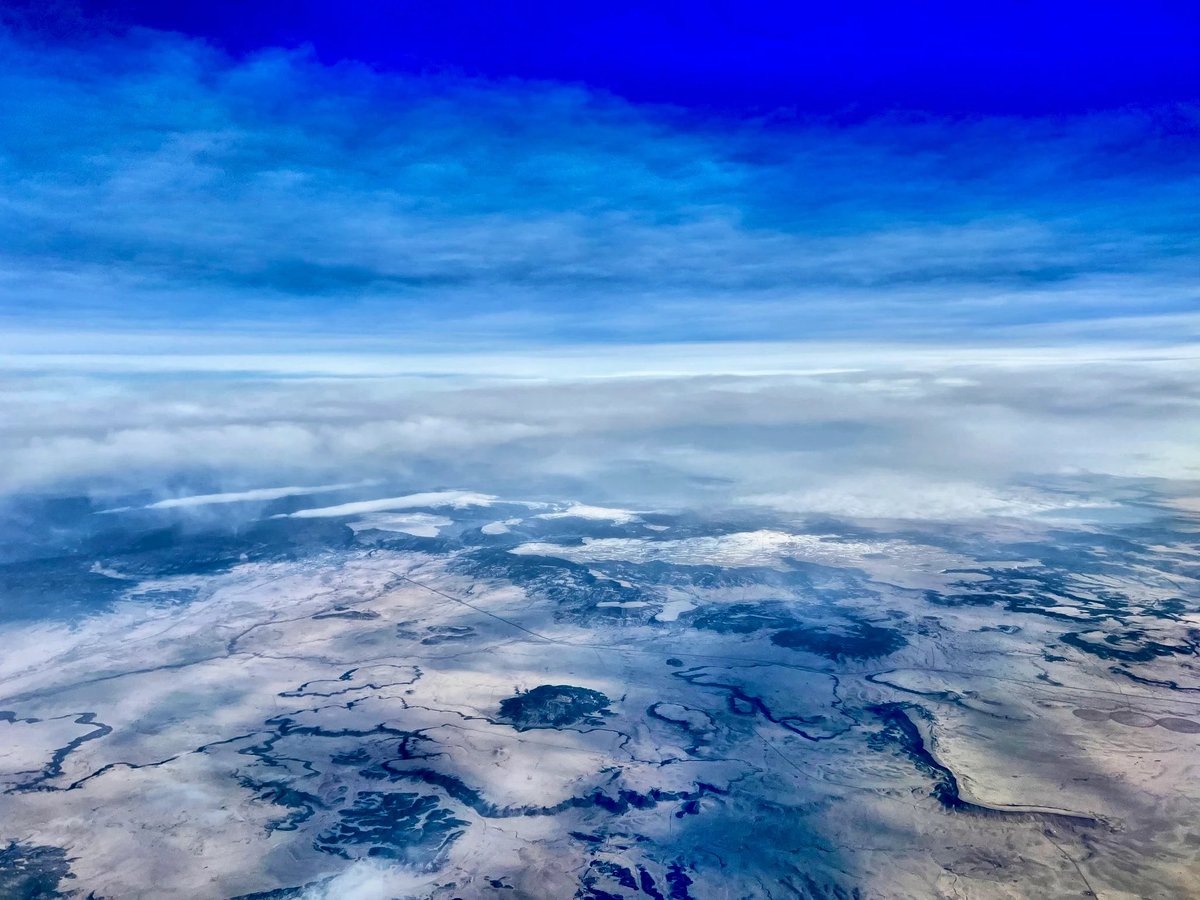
<point x="938" y="441"/>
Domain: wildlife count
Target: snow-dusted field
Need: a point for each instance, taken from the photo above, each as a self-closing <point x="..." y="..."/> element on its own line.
<point x="732" y="714"/>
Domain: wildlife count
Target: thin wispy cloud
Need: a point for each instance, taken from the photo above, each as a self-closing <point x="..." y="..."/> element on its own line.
<point x="432" y="499"/>
<point x="255" y="495"/>
<point x="154" y="185"/>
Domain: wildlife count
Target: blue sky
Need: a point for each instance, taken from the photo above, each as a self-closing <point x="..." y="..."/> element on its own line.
<point x="851" y="260"/>
<point x="393" y="177"/>
<point x="847" y="58"/>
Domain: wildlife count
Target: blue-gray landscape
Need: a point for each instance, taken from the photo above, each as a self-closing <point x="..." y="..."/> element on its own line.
<point x="608" y="451"/>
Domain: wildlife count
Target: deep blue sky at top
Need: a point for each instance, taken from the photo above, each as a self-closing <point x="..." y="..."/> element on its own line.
<point x="852" y="57"/>
<point x="458" y="173"/>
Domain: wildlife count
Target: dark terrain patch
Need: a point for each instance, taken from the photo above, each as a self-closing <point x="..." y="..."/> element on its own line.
<point x="432" y="635"/>
<point x="857" y="640"/>
<point x="743" y="618"/>
<point x="412" y="828"/>
<point x="342" y="612"/>
<point x="1130" y="644"/>
<point x="826" y="633"/>
<point x="1181" y="726"/>
<point x="444" y="634"/>
<point x="554" y="706"/>
<point x="33" y="871"/>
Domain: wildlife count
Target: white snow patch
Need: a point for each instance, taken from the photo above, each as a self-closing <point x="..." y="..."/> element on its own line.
<point x="499" y="527"/>
<point x="896" y="561"/>
<point x="673" y="609"/>
<point x="600" y="513"/>
<point x="416" y="524"/>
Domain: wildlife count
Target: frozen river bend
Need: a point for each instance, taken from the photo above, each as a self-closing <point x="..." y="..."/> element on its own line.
<point x="458" y="696"/>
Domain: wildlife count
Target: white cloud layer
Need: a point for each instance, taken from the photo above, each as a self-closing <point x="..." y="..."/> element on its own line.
<point x="453" y="499"/>
<point x="944" y="439"/>
<point x="250" y="496"/>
